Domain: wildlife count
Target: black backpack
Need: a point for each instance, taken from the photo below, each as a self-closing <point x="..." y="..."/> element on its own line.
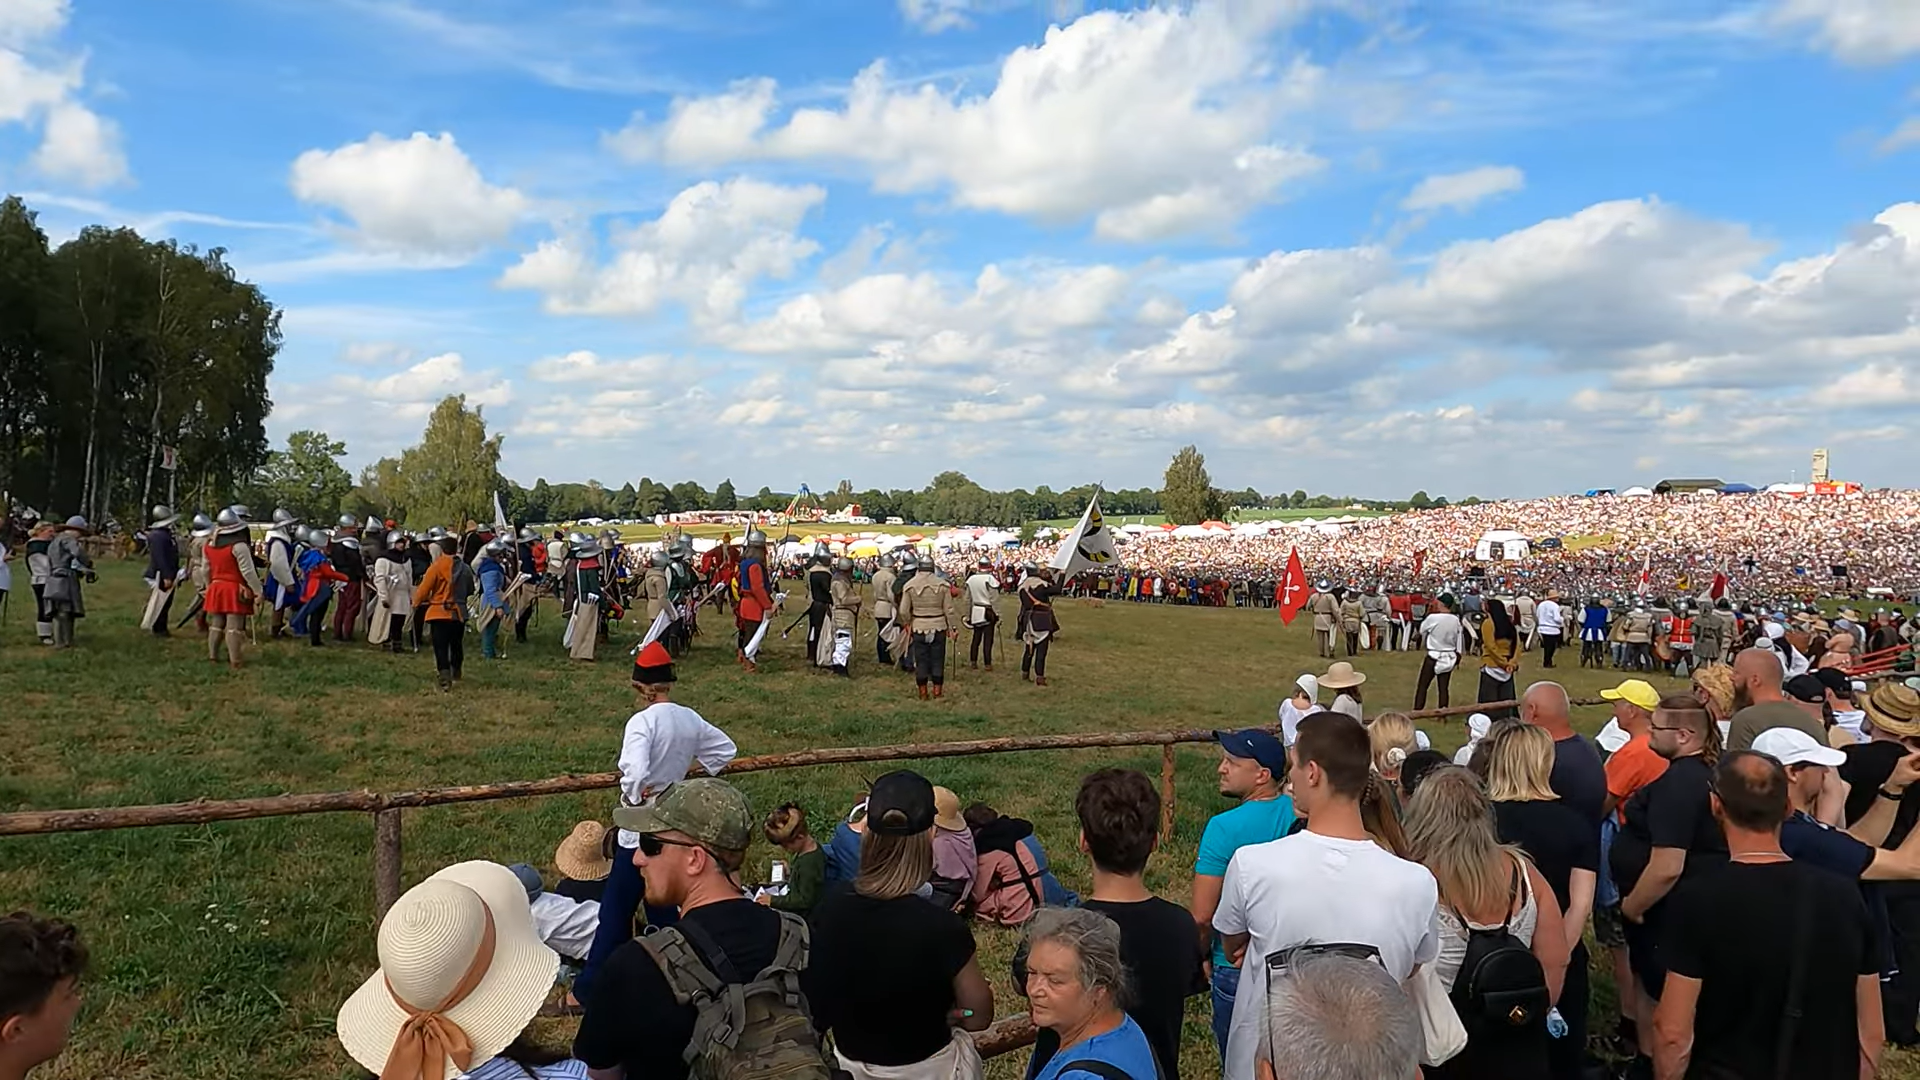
<point x="1501" y="988"/>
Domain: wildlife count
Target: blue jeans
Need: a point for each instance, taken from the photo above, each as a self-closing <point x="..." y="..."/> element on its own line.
<point x="1226" y="984"/>
<point x="624" y="895"/>
<point x="490" y="640"/>
<point x="308" y="619"/>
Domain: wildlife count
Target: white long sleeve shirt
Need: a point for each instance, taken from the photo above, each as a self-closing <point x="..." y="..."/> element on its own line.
<point x="565" y="924"/>
<point x="661" y="744"/>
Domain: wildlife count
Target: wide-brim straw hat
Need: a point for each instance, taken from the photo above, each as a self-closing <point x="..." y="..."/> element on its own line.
<point x="1894" y="708"/>
<point x="582" y="856"/>
<point x="428" y="942"/>
<point x="946" y="810"/>
<point x="1341" y="676"/>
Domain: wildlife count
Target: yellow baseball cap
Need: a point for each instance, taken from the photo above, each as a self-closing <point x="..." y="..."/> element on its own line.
<point x="1634" y="692"/>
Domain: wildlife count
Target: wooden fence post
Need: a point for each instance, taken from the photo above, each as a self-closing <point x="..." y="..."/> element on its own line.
<point x="386" y="860"/>
<point x="1166" y="793"/>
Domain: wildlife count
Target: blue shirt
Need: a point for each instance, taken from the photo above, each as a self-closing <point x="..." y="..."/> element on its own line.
<point x="1125" y="1048"/>
<point x="1252" y="822"/>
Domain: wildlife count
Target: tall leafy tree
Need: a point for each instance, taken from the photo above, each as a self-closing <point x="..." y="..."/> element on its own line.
<point x="724" y="497"/>
<point x="1187" y="494"/>
<point x="452" y="475"/>
<point x="306" y="477"/>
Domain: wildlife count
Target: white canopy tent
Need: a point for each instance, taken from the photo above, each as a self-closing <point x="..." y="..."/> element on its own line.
<point x="1502" y="544"/>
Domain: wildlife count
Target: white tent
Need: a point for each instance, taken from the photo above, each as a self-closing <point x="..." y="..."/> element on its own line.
<point x="1191" y="532"/>
<point x="1637" y="493"/>
<point x="1502" y="544"/>
<point x="1133" y="527"/>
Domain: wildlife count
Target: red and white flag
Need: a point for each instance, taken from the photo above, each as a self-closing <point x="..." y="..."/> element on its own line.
<point x="1293" y="588"/>
<point x="1645" y="585"/>
<point x="1719" y="589"/>
<point x="1419" y="561"/>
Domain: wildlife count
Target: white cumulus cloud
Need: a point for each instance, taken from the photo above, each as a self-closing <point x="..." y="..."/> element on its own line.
<point x="1857" y="31"/>
<point x="419" y="196"/>
<point x="39" y="87"/>
<point x="1463" y="190"/>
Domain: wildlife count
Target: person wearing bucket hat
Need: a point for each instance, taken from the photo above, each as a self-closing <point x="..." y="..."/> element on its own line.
<point x="955" y="858"/>
<point x="659" y="747"/>
<point x="462" y="973"/>
<point x="583" y="861"/>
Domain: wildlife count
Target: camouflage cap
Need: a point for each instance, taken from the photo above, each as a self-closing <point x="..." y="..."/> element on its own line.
<point x="706" y="810"/>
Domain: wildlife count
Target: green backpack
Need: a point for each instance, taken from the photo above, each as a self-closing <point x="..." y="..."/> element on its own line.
<point x="742" y="1030"/>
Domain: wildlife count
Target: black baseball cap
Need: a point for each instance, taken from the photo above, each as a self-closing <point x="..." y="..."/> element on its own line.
<point x="1806" y="688"/>
<point x="1835" y="680"/>
<point x="900" y="804"/>
<point x="1254" y="744"/>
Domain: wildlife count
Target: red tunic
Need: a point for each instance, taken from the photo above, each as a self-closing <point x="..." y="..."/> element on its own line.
<point x="227" y="591"/>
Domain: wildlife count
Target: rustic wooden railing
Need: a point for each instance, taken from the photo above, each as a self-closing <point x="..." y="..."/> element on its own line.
<point x="387" y="808"/>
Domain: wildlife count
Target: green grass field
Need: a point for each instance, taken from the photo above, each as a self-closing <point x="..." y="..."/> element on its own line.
<point x="223" y="951"/>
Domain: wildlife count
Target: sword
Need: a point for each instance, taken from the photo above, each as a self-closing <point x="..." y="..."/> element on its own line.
<point x="199" y="604"/>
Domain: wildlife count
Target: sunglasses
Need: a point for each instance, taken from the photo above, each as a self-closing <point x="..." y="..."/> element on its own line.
<point x="651" y="846"/>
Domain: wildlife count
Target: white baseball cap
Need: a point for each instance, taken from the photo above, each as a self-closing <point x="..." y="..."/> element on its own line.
<point x="1791" y="746"/>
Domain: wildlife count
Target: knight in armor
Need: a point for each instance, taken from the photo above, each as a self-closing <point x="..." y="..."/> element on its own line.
<point x="197" y="570"/>
<point x="163" y="570"/>
<point x="282" y="580"/>
<point x="492" y="573"/>
<point x="1378" y="616"/>
<point x="655" y="588"/>
<point x="420" y="557"/>
<point x="39" y="572"/>
<point x="614" y="583"/>
<point x="233" y="582"/>
<point x="846" y="615"/>
<point x="524" y="595"/>
<point x="819" y="607"/>
<point x="67" y="565"/>
<point x="1037" y="623"/>
<point x="756" y="599"/>
<point x="317" y="581"/>
<point x="682" y="581"/>
<point x="981" y="615"/>
<point x="909" y="566"/>
<point x="883" y="610"/>
<point x="927" y="613"/>
<point x="346" y="556"/>
<point x="393" y="593"/>
<point x="584" y="589"/>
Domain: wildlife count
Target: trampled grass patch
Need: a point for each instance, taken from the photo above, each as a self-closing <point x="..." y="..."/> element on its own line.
<point x="222" y="951"/>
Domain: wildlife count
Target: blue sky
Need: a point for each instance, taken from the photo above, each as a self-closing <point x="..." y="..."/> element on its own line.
<point x="1500" y="247"/>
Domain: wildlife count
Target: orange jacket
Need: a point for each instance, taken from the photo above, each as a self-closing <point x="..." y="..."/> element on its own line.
<point x="435" y="591"/>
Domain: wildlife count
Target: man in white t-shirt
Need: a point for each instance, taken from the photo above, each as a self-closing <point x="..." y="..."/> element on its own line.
<point x="1442" y="635"/>
<point x="1330" y="884"/>
<point x="1553" y="626"/>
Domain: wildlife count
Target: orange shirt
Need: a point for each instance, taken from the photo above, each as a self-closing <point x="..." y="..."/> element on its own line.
<point x="1633" y="767"/>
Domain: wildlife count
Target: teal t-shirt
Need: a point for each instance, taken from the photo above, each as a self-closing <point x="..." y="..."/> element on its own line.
<point x="1249" y="823"/>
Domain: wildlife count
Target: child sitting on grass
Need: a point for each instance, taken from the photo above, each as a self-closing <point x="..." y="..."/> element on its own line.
<point x="786" y="828"/>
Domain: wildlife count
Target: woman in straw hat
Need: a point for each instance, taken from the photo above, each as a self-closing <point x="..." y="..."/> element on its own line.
<point x="584" y="861"/>
<point x="462" y="973"/>
<point x="1345" y="683"/>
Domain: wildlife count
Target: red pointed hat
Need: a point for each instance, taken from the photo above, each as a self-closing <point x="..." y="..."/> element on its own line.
<point x="654" y="665"/>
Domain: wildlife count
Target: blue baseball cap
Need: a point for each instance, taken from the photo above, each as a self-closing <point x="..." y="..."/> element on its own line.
<point x="1253" y="744"/>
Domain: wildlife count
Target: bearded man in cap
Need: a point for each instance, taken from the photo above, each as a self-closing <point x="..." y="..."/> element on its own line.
<point x="163" y="570"/>
<point x="661" y="743"/>
<point x="981" y="616"/>
<point x="819" y="606"/>
<point x="756" y="599"/>
<point x="883" y="610"/>
<point x="846" y="614"/>
<point x="282" y="581"/>
<point x="232" y="584"/>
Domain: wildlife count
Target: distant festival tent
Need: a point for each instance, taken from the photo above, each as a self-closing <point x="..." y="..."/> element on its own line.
<point x="1502" y="544"/>
<point x="1637" y="493"/>
<point x="1739" y="489"/>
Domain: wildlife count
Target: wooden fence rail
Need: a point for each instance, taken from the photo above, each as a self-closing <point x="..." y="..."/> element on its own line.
<point x="387" y="807"/>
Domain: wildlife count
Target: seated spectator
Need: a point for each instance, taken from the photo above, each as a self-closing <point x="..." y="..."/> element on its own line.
<point x="1304" y="701"/>
<point x="425" y="1014"/>
<point x="889" y="973"/>
<point x="1769" y="957"/>
<point x="1012" y="880"/>
<point x="954" y="859"/>
<point x="806" y="867"/>
<point x="843" y="851"/>
<point x="1119" y="812"/>
<point x="1345" y="682"/>
<point x="1334" y="1017"/>
<point x="584" y="860"/>
<point x="1078" y="989"/>
<point x="1485" y="886"/>
<point x="566" y="925"/>
<point x="691" y="840"/>
<point x="41" y="961"/>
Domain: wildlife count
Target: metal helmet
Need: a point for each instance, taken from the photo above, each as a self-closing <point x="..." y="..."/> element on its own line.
<point x="230" y="517"/>
<point x="282" y="517"/>
<point x="348" y="521"/>
<point x="528" y="536"/>
<point x="163" y="516"/>
<point x="756" y="538"/>
<point x="843" y="564"/>
<point x="319" y="537"/>
<point x="499" y="546"/>
<point x="660" y="560"/>
<point x="77" y="521"/>
<point x="577" y="538"/>
<point x="910" y="562"/>
<point x="203" y="525"/>
<point x="395" y="538"/>
<point x="611" y="534"/>
<point x="436" y="533"/>
<point x="300" y="534"/>
<point x="683" y="548"/>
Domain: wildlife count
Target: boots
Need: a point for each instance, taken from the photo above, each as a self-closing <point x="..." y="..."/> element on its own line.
<point x="923" y="691"/>
<point x="213" y="645"/>
<point x="446" y="681"/>
<point x="989" y="667"/>
<point x="939" y="690"/>
<point x="1039" y="680"/>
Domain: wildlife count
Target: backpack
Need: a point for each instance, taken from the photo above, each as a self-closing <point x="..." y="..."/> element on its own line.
<point x="742" y="1030"/>
<point x="1501" y="988"/>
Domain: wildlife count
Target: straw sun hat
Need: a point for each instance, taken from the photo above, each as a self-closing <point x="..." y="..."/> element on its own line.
<point x="1341" y="676"/>
<point x="461" y="973"/>
<point x="582" y="856"/>
<point x="1894" y="708"/>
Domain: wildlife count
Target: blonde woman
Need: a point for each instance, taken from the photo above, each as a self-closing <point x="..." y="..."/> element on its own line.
<point x="1484" y="886"/>
<point x="1565" y="849"/>
<point x="1393" y="738"/>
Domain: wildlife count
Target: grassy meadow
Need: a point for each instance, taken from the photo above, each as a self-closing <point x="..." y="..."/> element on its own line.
<point x="222" y="951"/>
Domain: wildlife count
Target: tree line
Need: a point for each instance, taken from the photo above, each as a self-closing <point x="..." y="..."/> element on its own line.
<point x="120" y="356"/>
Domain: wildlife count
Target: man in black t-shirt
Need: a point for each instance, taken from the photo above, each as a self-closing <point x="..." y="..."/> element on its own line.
<point x="1579" y="777"/>
<point x="1119" y="812"/>
<point x="693" y="839"/>
<point x="1768" y="956"/>
<point x="1669" y="836"/>
<point x="1876" y="816"/>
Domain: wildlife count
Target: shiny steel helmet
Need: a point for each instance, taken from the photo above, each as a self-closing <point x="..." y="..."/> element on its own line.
<point x="203" y="525"/>
<point x="756" y="538"/>
<point x="395" y="538"/>
<point x="77" y="521"/>
<point x="300" y="534"/>
<point x="843" y="564"/>
<point x="283" y="518"/>
<point x="231" y="517"/>
<point x="577" y="538"/>
<point x="436" y="533"/>
<point x="319" y="538"/>
<point x="499" y="546"/>
<point x="163" y="516"/>
<point x="660" y="560"/>
<point x="528" y="536"/>
<point x="910" y="562"/>
<point x="348" y="521"/>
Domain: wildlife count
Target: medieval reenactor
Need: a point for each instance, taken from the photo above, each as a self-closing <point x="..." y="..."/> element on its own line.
<point x="756" y="599"/>
<point x="233" y="582"/>
<point x="1037" y="592"/>
<point x="883" y="610"/>
<point x="39" y="570"/>
<point x="819" y="607"/>
<point x="67" y="566"/>
<point x="282" y="580"/>
<point x="584" y="591"/>
<point x="163" y="571"/>
<point x="392" y="593"/>
<point x="846" y="615"/>
<point x="346" y="554"/>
